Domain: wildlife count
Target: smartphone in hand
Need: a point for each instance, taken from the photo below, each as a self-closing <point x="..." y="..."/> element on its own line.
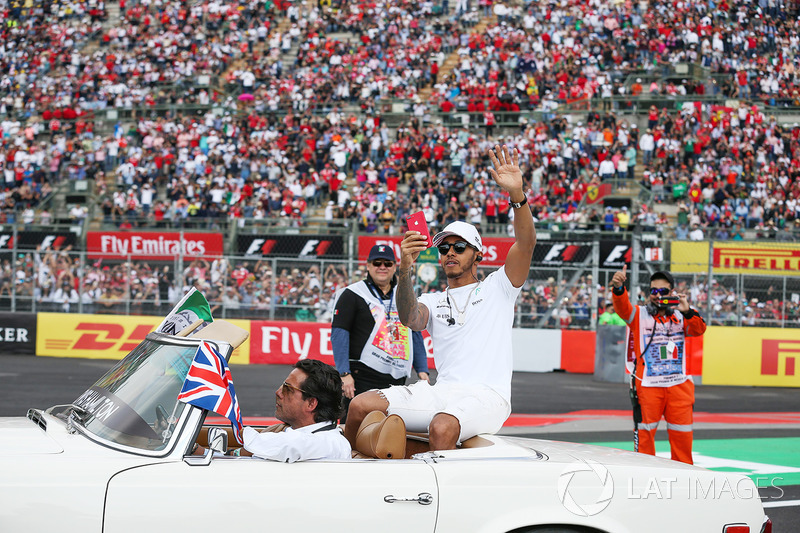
<point x="416" y="222"/>
<point x="670" y="301"/>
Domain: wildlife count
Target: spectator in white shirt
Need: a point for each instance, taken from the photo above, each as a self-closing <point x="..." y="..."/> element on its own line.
<point x="647" y="145"/>
<point x="696" y="234"/>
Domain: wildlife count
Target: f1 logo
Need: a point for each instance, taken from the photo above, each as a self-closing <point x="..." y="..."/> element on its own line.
<point x="315" y="247"/>
<point x="264" y="246"/>
<point x="561" y="252"/>
<point x="54" y="241"/>
<point x="772" y="351"/>
<point x="620" y="252"/>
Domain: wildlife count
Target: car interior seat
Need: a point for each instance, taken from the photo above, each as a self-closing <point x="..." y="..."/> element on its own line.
<point x="381" y="437"/>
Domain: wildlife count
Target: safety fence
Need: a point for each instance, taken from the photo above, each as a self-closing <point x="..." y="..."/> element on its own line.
<point x="287" y="275"/>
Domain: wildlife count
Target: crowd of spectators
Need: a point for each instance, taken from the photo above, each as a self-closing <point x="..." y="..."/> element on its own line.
<point x="252" y="164"/>
<point x="299" y="126"/>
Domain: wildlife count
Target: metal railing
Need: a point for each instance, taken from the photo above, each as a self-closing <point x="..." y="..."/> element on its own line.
<point x="557" y="294"/>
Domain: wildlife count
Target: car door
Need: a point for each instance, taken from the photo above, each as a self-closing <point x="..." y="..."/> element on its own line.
<point x="306" y="496"/>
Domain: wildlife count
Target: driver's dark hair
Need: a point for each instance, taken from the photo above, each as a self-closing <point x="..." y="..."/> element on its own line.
<point x="324" y="384"/>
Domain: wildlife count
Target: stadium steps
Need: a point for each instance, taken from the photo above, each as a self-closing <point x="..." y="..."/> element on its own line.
<point x="113" y="19"/>
<point x="451" y="61"/>
<point x="260" y="49"/>
<point x="114" y="15"/>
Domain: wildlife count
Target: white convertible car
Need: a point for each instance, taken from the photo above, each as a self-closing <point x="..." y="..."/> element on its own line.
<point x="116" y="460"/>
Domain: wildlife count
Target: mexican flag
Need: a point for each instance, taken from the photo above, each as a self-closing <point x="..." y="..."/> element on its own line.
<point x="668" y="352"/>
<point x="192" y="307"/>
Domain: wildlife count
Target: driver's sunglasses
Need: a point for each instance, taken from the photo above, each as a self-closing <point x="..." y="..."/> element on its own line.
<point x="458" y="246"/>
<point x="381" y="262"/>
<point x="660" y="292"/>
<point x="288" y="388"/>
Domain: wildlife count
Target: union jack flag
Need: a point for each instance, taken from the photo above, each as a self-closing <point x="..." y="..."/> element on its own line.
<point x="209" y="385"/>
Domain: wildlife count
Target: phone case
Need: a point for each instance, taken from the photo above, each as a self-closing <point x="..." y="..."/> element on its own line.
<point x="416" y="222"/>
<point x="669" y="300"/>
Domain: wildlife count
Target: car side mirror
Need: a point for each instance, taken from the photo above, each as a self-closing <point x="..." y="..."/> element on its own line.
<point x="217" y="443"/>
<point x="218" y="440"/>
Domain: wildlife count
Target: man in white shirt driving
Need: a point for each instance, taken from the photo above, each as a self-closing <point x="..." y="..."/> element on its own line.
<point x="309" y="403"/>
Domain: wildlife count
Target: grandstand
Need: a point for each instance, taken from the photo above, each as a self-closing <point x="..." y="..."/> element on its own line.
<point x="254" y="118"/>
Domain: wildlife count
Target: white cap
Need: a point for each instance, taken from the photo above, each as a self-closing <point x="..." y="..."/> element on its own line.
<point x="468" y="232"/>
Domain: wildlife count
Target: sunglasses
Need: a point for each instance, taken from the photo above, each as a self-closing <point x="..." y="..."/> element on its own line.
<point x="288" y="388"/>
<point x="458" y="246"/>
<point x="380" y="263"/>
<point x="660" y="292"/>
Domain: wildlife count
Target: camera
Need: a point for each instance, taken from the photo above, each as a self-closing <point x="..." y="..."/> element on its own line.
<point x="668" y="301"/>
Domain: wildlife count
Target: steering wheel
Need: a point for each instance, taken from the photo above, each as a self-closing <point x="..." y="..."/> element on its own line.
<point x="161" y="418"/>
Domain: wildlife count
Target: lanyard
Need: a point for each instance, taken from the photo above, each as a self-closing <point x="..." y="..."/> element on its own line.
<point x="388" y="308"/>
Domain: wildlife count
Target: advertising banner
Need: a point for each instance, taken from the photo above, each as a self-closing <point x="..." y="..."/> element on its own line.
<point x="689" y="257"/>
<point x="495" y="249"/>
<point x="153" y="246"/>
<point x="17" y="333"/>
<point x="304" y="246"/>
<point x="285" y="343"/>
<point x="613" y="253"/>
<point x="366" y="242"/>
<point x="737" y="258"/>
<point x="751" y="357"/>
<point x="104" y="336"/>
<point x="30" y="240"/>
<point x="757" y="258"/>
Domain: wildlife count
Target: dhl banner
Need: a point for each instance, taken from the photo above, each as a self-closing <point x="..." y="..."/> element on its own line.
<point x="751" y="356"/>
<point x="104" y="336"/>
<point x="737" y="258"/>
<point x="723" y="356"/>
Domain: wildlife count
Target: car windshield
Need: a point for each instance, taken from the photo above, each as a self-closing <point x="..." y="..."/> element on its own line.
<point x="136" y="403"/>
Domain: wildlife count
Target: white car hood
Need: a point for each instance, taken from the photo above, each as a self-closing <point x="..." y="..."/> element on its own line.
<point x="21" y="436"/>
<point x="568" y="452"/>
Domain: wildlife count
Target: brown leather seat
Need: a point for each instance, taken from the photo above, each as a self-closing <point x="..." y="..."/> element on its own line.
<point x="381" y="436"/>
<point x="476" y="442"/>
<point x="202" y="437"/>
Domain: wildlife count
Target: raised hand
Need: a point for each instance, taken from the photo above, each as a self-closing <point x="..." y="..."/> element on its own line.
<point x="620" y="277"/>
<point x="506" y="172"/>
<point x="683" y="306"/>
<point x="412" y="245"/>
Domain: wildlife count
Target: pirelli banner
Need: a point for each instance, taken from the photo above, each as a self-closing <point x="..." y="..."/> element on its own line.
<point x="733" y="257"/>
<point x="17" y="333"/>
<point x="297" y="246"/>
<point x="153" y="245"/>
<point x="613" y="253"/>
<point x="765" y="357"/>
<point x="31" y="240"/>
<point x="104" y="336"/>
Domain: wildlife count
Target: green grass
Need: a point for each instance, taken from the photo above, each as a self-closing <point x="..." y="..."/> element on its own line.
<point x="772" y="451"/>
